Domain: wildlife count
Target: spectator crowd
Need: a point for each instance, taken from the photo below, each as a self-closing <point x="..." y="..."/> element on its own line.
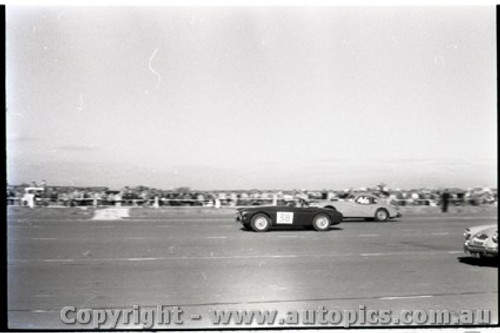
<point x="144" y="196"/>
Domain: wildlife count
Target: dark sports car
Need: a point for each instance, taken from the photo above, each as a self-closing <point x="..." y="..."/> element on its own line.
<point x="262" y="218"/>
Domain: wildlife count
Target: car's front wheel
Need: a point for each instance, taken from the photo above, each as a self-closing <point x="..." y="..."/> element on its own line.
<point x="381" y="215"/>
<point x="260" y="223"/>
<point x="321" y="222"/>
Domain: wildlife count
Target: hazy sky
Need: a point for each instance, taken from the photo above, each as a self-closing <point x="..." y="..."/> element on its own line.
<point x="252" y="97"/>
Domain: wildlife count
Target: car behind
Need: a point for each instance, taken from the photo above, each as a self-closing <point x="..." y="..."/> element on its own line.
<point x="481" y="241"/>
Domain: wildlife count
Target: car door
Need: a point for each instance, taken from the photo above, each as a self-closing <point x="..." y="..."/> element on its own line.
<point x="305" y="215"/>
<point x="286" y="216"/>
<point x="365" y="206"/>
<point x="372" y="206"/>
<point x="294" y="216"/>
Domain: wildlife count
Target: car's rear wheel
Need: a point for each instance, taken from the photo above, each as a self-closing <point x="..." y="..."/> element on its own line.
<point x="260" y="222"/>
<point x="381" y="215"/>
<point x="321" y="222"/>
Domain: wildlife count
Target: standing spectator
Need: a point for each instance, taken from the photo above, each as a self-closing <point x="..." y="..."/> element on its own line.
<point x="118" y="199"/>
<point x="445" y="200"/>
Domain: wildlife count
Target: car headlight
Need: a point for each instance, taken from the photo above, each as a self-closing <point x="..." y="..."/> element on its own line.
<point x="467" y="234"/>
<point x="495" y="237"/>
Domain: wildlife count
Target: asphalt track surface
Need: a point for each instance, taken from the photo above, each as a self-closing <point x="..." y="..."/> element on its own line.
<point x="201" y="260"/>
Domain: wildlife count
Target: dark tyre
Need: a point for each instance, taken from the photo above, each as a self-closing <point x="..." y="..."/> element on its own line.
<point x="381" y="215"/>
<point x="321" y="222"/>
<point x="247" y="227"/>
<point x="260" y="222"/>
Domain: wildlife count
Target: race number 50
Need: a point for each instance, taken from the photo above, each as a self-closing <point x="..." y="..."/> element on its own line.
<point x="284" y="218"/>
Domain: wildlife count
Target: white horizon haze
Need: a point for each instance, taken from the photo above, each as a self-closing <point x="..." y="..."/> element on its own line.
<point x="252" y="97"/>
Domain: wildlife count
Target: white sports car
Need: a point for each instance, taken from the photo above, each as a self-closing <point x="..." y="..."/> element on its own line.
<point x="481" y="241"/>
<point x="362" y="205"/>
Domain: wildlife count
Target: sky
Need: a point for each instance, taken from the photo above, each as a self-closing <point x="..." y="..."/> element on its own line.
<point x="249" y="97"/>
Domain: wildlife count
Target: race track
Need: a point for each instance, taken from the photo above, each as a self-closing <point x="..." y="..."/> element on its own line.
<point x="200" y="259"/>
